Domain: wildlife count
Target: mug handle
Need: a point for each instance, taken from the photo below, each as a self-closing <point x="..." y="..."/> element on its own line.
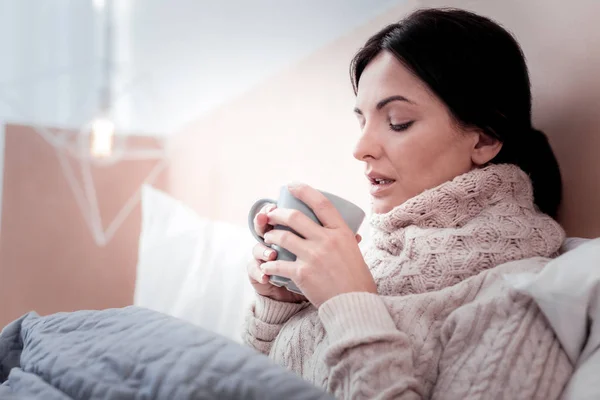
<point x="253" y="211"/>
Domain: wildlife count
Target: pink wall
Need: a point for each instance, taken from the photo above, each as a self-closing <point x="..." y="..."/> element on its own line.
<point x="299" y="124"/>
<point x="49" y="261"/>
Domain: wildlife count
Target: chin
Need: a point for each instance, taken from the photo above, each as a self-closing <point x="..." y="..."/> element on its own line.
<point x="386" y="204"/>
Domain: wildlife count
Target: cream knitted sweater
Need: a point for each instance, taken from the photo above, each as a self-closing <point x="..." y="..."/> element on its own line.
<point x="444" y="324"/>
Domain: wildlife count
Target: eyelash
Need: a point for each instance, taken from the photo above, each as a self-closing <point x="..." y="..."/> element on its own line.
<point x="401" y="127"/>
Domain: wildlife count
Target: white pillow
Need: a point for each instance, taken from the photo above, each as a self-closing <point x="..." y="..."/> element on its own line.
<point x="571" y="243"/>
<point x="567" y="291"/>
<point x="192" y="268"/>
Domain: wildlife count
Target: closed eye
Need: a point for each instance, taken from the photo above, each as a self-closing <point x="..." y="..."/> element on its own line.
<point x="401" y="127"/>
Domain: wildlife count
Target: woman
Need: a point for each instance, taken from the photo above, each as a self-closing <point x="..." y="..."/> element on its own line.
<point x="461" y="183"/>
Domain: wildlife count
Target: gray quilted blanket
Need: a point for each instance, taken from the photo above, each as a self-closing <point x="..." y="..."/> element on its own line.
<point x="134" y="353"/>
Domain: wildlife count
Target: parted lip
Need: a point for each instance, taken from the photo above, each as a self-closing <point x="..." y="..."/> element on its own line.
<point x="374" y="176"/>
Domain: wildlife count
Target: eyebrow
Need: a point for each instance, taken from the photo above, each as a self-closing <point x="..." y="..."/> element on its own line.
<point x="386" y="101"/>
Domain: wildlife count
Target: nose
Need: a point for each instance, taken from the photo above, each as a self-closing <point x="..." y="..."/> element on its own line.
<point x="368" y="146"/>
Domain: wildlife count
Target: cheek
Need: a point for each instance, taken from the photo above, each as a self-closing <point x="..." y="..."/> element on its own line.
<point x="417" y="150"/>
<point x="445" y="157"/>
<point x="426" y="158"/>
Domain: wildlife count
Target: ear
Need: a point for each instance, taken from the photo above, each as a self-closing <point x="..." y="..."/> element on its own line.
<point x="485" y="149"/>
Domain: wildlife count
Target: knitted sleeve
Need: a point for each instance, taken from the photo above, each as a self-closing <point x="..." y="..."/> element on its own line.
<point x="264" y="321"/>
<point x="367" y="357"/>
<point x="501" y="347"/>
<point x="495" y="348"/>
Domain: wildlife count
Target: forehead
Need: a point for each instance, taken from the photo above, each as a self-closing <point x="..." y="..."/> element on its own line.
<point x="386" y="76"/>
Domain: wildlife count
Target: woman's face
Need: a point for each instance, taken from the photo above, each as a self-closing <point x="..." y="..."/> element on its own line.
<point x="409" y="140"/>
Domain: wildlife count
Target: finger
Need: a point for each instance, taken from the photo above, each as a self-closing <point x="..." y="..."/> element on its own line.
<point x="287" y="269"/>
<point x="318" y="203"/>
<point x="255" y="273"/>
<point x="296" y="220"/>
<point x="260" y="224"/>
<point x="261" y="221"/>
<point x="263" y="253"/>
<point x="269" y="207"/>
<point x="288" y="240"/>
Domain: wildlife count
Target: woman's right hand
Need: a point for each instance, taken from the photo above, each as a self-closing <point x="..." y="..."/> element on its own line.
<point x="262" y="253"/>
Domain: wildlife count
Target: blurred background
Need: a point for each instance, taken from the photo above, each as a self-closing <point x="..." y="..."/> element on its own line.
<point x="135" y="135"/>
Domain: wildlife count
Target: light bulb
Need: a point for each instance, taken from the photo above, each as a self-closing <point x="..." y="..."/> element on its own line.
<point x="102" y="138"/>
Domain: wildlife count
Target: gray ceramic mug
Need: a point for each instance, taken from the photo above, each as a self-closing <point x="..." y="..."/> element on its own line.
<point x="351" y="213"/>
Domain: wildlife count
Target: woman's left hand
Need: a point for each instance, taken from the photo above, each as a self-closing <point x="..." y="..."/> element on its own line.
<point x="328" y="259"/>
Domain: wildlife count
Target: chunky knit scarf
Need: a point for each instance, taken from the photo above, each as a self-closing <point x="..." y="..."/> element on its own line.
<point x="481" y="219"/>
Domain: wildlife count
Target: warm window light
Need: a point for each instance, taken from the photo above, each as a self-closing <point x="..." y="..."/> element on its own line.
<point x="102" y="138"/>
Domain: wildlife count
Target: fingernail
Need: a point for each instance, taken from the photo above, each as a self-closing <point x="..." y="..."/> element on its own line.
<point x="268" y="253"/>
<point x="266" y="237"/>
<point x="294" y="184"/>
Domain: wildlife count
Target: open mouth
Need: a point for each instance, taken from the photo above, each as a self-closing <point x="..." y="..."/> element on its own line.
<point x="381" y="181"/>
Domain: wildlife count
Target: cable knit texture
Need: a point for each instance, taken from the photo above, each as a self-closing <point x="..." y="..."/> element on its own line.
<point x="444" y="325"/>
